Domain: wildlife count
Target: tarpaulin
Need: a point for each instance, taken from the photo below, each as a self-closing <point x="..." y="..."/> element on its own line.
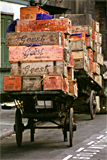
<point x="11" y="27"/>
<point x="33" y="45"/>
<point x="41" y="16"/>
<point x="76" y="34"/>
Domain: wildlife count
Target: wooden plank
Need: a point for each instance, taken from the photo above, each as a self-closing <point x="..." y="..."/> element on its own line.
<point x="12" y="82"/>
<point x="63" y="25"/>
<point x="32" y="84"/>
<point x="82" y="28"/>
<point x="38" y="53"/>
<point x="79" y="55"/>
<point x="30" y="12"/>
<point x="42" y="38"/>
<point x="78" y="45"/>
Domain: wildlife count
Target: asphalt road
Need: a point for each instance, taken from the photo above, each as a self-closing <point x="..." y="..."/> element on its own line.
<point x="89" y="142"/>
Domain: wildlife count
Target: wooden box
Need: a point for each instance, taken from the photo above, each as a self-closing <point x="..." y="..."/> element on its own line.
<point x="41" y="38"/>
<point x="37" y="53"/>
<point x="92" y="24"/>
<point x="95" y="57"/>
<point x="91" y="64"/>
<point x="96" y="26"/>
<point x="78" y="45"/>
<point x="70" y="71"/>
<point x="32" y="84"/>
<point x="79" y="55"/>
<point x="55" y="82"/>
<point x="99" y="38"/>
<point x="82" y="28"/>
<point x="63" y="25"/>
<point x="76" y="37"/>
<point x="30" y="12"/>
<point x="73" y="88"/>
<point x="80" y="64"/>
<point x="12" y="82"/>
<point x="77" y="19"/>
<point x="93" y="35"/>
<point x="99" y="48"/>
<point x="100" y="58"/>
<point x="90" y="53"/>
<point x="98" y="79"/>
<point x="71" y="61"/>
<point x="96" y="35"/>
<point x="89" y="42"/>
<point x="60" y="67"/>
<point x="15" y="68"/>
<point x="94" y="46"/>
<point x="96" y="68"/>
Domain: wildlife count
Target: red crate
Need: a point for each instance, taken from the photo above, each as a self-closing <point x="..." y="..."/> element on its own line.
<point x="63" y="25"/>
<point x="93" y="35"/>
<point x="55" y="82"/>
<point x="90" y="54"/>
<point x="30" y="12"/>
<point x="75" y="38"/>
<point x="12" y="82"/>
<point x="91" y="64"/>
<point x="37" y="53"/>
<point x="71" y="61"/>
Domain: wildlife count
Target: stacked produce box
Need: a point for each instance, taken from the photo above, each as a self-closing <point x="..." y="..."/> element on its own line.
<point x="86" y="44"/>
<point x="40" y="54"/>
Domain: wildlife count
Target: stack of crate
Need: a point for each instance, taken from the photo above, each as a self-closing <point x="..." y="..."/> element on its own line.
<point x="90" y="58"/>
<point x="46" y="63"/>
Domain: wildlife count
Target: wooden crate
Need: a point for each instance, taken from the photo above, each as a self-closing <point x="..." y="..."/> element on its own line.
<point x="95" y="57"/>
<point x="96" y="35"/>
<point x="100" y="58"/>
<point x="89" y="42"/>
<point x="99" y="38"/>
<point x="78" y="45"/>
<point x="93" y="35"/>
<point x="73" y="88"/>
<point x="82" y="28"/>
<point x="77" y="19"/>
<point x="76" y="37"/>
<point x="90" y="54"/>
<point x="98" y="79"/>
<point x="79" y="55"/>
<point x="30" y="12"/>
<point x="60" y="67"/>
<point x="99" y="48"/>
<point x="12" y="82"/>
<point x="80" y="64"/>
<point x="15" y="68"/>
<point x="63" y="25"/>
<point x="92" y="23"/>
<point x="54" y="82"/>
<point x="96" y="68"/>
<point x="94" y="46"/>
<point x="96" y="26"/>
<point x="37" y="53"/>
<point x="41" y="38"/>
<point x="32" y="84"/>
<point x="70" y="71"/>
<point x="91" y="64"/>
<point x="71" y="61"/>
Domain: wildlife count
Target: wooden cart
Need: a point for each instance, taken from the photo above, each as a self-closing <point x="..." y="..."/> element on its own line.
<point x="87" y="90"/>
<point x="60" y="113"/>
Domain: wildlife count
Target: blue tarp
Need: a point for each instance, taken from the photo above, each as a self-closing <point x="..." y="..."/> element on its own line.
<point x="76" y="34"/>
<point x="41" y="16"/>
<point x="11" y="27"/>
<point x="33" y="45"/>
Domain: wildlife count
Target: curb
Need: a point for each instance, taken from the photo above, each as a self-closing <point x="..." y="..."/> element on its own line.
<point x="5" y="134"/>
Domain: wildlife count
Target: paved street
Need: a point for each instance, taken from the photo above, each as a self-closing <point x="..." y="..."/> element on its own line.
<point x="89" y="141"/>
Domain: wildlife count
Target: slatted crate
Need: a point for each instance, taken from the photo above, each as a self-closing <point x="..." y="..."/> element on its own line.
<point x="96" y="68"/>
<point x="78" y="45"/>
<point x="90" y="54"/>
<point x="12" y="82"/>
<point x="89" y="42"/>
<point x="80" y="64"/>
<point x="73" y="88"/>
<point x="98" y="79"/>
<point x="78" y="36"/>
<point x="79" y="55"/>
<point x="63" y="25"/>
<point x="82" y="28"/>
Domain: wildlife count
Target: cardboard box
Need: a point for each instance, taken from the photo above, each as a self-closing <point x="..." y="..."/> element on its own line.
<point x="12" y="82"/>
<point x="37" y="53"/>
<point x="30" y="12"/>
<point x="55" y="82"/>
<point x="63" y="25"/>
<point x="32" y="84"/>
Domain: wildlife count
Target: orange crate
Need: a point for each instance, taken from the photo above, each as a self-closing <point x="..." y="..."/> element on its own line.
<point x="63" y="25"/>
<point x="30" y="12"/>
<point x="12" y="82"/>
<point x="75" y="37"/>
<point x="90" y="54"/>
<point x="55" y="82"/>
<point x="37" y="53"/>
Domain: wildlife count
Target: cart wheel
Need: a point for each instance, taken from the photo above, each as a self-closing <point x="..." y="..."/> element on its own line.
<point x="92" y="104"/>
<point x="71" y="127"/>
<point x="18" y="127"/>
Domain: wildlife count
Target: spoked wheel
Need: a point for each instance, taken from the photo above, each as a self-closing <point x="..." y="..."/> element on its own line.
<point x="92" y="104"/>
<point x="71" y="127"/>
<point x="18" y="127"/>
<point x="65" y="132"/>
